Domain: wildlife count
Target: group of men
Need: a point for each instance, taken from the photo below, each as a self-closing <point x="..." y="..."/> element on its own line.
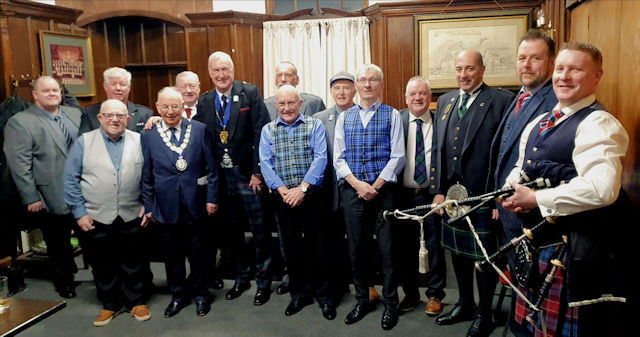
<point x="212" y="164"/>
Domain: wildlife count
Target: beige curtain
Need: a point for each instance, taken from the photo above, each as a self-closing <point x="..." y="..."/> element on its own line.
<point x="318" y="48"/>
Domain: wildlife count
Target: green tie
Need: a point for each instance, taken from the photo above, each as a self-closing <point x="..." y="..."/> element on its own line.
<point x="462" y="109"/>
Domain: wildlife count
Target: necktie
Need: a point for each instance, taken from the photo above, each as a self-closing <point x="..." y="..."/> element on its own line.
<point x="188" y="111"/>
<point x="67" y="137"/>
<point x="462" y="109"/>
<point x="519" y="102"/>
<point x="223" y="105"/>
<point x="420" y="172"/>
<point x="174" y="139"/>
<point x="550" y="121"/>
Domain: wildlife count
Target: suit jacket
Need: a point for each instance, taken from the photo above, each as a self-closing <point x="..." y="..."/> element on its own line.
<point x="542" y="102"/>
<point x="247" y="117"/>
<point x="310" y="105"/>
<point x="486" y="113"/>
<point x="164" y="188"/>
<point x="36" y="153"/>
<point x="330" y="182"/>
<point x="138" y="113"/>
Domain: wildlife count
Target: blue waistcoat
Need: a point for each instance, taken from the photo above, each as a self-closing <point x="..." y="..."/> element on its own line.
<point x="292" y="156"/>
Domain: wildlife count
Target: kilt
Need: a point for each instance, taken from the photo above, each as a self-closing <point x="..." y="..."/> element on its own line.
<point x="458" y="238"/>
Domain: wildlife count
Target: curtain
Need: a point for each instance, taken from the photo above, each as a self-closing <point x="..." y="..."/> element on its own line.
<point x="318" y="49"/>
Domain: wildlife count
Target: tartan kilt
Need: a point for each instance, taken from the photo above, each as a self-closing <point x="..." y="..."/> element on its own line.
<point x="458" y="238"/>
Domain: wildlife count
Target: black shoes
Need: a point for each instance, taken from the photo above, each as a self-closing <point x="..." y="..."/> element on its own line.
<point x="481" y="327"/>
<point x="262" y="296"/>
<point x="217" y="284"/>
<point x="282" y="289"/>
<point x="296" y="305"/>
<point x="66" y="292"/>
<point x="237" y="290"/>
<point x="457" y="315"/>
<point x="389" y="318"/>
<point x="328" y="311"/>
<point x="358" y="312"/>
<point x="174" y="307"/>
<point x="203" y="305"/>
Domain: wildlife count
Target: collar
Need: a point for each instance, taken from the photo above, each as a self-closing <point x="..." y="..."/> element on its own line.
<point x="298" y="120"/>
<point x="426" y="117"/>
<point x="226" y="93"/>
<point x="373" y="107"/>
<point x="107" y="138"/>
<point x="474" y="92"/>
<point x="46" y="113"/>
<point x="166" y="128"/>
<point x="577" y="106"/>
<point x="193" y="107"/>
<point x="533" y="91"/>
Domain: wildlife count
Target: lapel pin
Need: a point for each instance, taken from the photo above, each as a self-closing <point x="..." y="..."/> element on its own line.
<point x="330" y="118"/>
<point x="482" y="104"/>
<point x="446" y="111"/>
<point x="453" y="99"/>
<point x="235" y="98"/>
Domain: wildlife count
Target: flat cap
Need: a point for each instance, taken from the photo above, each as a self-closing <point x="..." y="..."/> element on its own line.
<point x="341" y="75"/>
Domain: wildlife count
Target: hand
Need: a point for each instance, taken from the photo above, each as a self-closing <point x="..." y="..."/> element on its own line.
<point x="151" y="121"/>
<point x="522" y="200"/>
<point x="141" y="213"/>
<point x="35" y="207"/>
<point x="147" y="219"/>
<point x="363" y="189"/>
<point x="439" y="199"/>
<point x="378" y="183"/>
<point x="495" y="215"/>
<point x="211" y="208"/>
<point x="85" y="223"/>
<point x="294" y="196"/>
<point x="255" y="183"/>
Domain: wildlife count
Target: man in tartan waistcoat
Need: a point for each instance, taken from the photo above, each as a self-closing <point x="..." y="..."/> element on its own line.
<point x="368" y="155"/>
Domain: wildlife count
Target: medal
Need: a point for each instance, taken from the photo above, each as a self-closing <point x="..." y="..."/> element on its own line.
<point x="224" y="135"/>
<point x="226" y="161"/>
<point x="181" y="164"/>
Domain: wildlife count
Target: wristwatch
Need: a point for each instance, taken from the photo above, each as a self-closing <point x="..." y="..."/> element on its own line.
<point x="303" y="188"/>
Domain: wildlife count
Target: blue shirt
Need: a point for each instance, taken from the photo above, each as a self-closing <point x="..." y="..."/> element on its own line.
<point x="73" y="171"/>
<point x="319" y="146"/>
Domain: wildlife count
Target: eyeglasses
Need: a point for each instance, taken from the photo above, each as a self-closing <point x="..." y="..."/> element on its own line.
<point x="172" y="107"/>
<point x="368" y="80"/>
<point x="116" y="116"/>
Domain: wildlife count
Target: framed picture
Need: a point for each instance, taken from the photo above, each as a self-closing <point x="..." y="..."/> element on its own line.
<point x="440" y="37"/>
<point x="68" y="59"/>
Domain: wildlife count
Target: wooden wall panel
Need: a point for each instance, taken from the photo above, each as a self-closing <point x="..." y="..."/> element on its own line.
<point x="132" y="41"/>
<point x="247" y="52"/>
<point x="400" y="49"/>
<point x="198" y="55"/>
<point x="153" y="32"/>
<point x="176" y="47"/>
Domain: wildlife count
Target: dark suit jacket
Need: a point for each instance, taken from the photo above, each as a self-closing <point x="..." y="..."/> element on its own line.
<point x="330" y="182"/>
<point x="310" y="105"/>
<point x="36" y="152"/>
<point x="505" y="154"/>
<point x="485" y="113"/>
<point x="247" y="117"/>
<point x="138" y="113"/>
<point x="164" y="188"/>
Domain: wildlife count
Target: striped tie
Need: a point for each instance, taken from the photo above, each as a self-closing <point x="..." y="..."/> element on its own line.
<point x="462" y="109"/>
<point x="547" y="123"/>
<point x="420" y="172"/>
<point x="174" y="139"/>
<point x="67" y="137"/>
<point x="519" y="102"/>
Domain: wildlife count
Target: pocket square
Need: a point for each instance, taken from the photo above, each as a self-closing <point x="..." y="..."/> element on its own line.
<point x="244" y="109"/>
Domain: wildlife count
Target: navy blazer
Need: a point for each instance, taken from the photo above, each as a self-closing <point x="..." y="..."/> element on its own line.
<point x="542" y="102"/>
<point x="164" y="188"/>
<point x="138" y="113"/>
<point x="485" y="113"/>
<point x="247" y="116"/>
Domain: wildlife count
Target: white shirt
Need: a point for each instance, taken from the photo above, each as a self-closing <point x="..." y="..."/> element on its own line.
<point x="427" y="133"/>
<point x="194" y="111"/>
<point x="167" y="130"/>
<point x="600" y="143"/>
<point x="472" y="95"/>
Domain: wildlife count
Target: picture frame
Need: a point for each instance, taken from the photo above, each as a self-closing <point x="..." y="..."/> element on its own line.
<point x="495" y="34"/>
<point x="68" y="58"/>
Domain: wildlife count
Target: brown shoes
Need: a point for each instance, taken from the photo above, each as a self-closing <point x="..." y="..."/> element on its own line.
<point x="103" y="318"/>
<point x="141" y="312"/>
<point x="434" y="307"/>
<point x="408" y="303"/>
<point x="373" y="295"/>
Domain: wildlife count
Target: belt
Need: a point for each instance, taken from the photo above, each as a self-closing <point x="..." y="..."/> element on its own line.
<point x="418" y="191"/>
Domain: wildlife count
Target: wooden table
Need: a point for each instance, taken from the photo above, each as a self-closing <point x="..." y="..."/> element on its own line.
<point x="24" y="313"/>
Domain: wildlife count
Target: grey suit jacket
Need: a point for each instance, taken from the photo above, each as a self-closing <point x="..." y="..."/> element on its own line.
<point x="328" y="118"/>
<point x="36" y="153"/>
<point x="310" y="105"/>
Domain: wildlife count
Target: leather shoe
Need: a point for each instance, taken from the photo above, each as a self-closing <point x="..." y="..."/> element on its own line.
<point x="408" y="303"/>
<point x="358" y="312"/>
<point x="262" y="296"/>
<point x="389" y="318"/>
<point x="296" y="305"/>
<point x="217" y="284"/>
<point x="203" y="306"/>
<point x="237" y="290"/>
<point x="481" y="327"/>
<point x="282" y="289"/>
<point x="328" y="311"/>
<point x="457" y="315"/>
<point x="174" y="307"/>
<point x="67" y="292"/>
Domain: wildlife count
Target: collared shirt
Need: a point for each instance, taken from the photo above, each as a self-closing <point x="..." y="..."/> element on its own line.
<point x="531" y="92"/>
<point x="73" y="167"/>
<point x="318" y="143"/>
<point x="600" y="143"/>
<point x="167" y="130"/>
<point x="226" y="93"/>
<point x="66" y="121"/>
<point x="396" y="161"/>
<point x="194" y="111"/>
<point x="427" y="133"/>
<point x="472" y="95"/>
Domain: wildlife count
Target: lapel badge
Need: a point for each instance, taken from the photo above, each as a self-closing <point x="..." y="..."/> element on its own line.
<point x="453" y="99"/>
<point x="446" y="111"/>
<point x="482" y="104"/>
<point x="235" y="98"/>
<point x="330" y="118"/>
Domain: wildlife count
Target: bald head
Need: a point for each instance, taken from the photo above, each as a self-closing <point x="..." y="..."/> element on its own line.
<point x="469" y="70"/>
<point x="286" y="73"/>
<point x="288" y="103"/>
<point x="113" y="118"/>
